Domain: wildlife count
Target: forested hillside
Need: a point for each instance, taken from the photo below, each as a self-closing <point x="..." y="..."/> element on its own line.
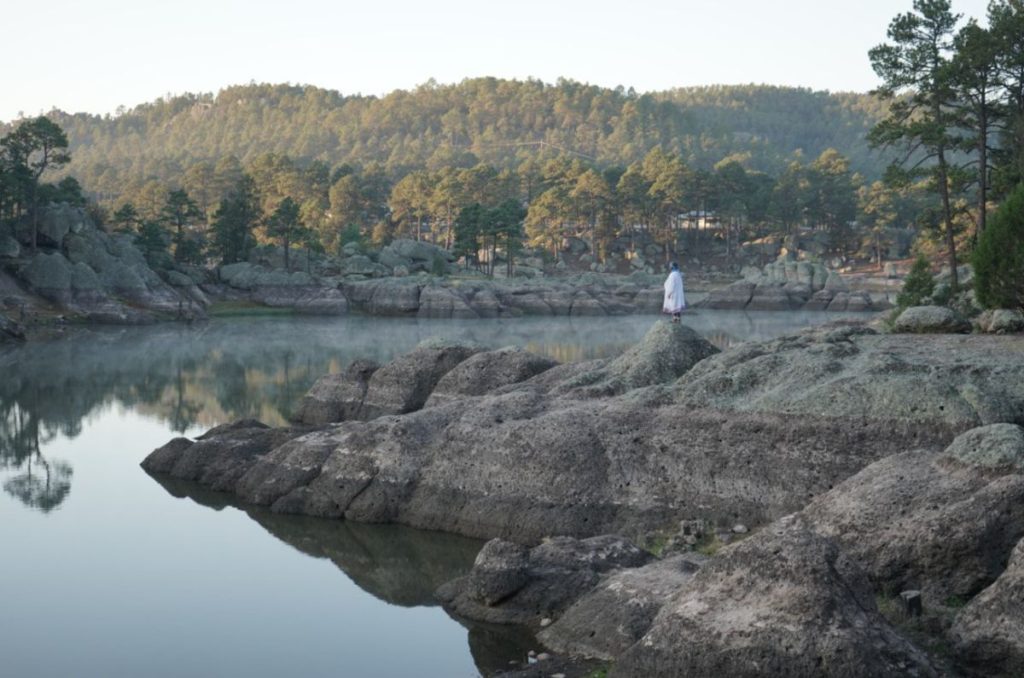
<point x="498" y="122"/>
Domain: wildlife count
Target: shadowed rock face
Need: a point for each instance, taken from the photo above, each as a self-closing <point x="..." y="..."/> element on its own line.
<point x="943" y="522"/>
<point x="488" y="371"/>
<point x="616" y="613"/>
<point x="510" y="584"/>
<point x="785" y="602"/>
<point x="989" y="632"/>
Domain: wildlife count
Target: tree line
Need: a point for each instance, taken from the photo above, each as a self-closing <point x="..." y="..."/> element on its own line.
<point x="956" y="114"/>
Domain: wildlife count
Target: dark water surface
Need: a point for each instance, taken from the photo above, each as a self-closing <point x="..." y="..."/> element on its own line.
<point x="105" y="571"/>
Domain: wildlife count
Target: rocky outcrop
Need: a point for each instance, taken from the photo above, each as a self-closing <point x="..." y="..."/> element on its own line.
<point x="510" y="584"/>
<point x="487" y="371"/>
<point x="275" y="288"/>
<point x="444" y="298"/>
<point x="666" y="353"/>
<point x="95" y="276"/>
<point x="337" y="397"/>
<point x="405" y="384"/>
<point x="930" y="320"/>
<point x="1000" y="321"/>
<point x="784" y="602"/>
<point x="787" y="284"/>
<point x="221" y="456"/>
<point x="619" y="611"/>
<point x="10" y="330"/>
<point x="988" y="633"/>
<point x="750" y="434"/>
<point x="943" y="522"/>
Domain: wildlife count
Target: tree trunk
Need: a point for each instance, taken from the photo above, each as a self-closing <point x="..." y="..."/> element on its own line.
<point x="954" y="282"/>
<point x="982" y="169"/>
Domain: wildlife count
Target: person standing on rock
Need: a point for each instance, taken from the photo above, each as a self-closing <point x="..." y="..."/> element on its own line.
<point x="675" y="301"/>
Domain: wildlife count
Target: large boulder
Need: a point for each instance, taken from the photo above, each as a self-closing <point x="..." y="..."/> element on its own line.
<point x="1001" y="321"/>
<point x="57" y="220"/>
<point x="940" y="522"/>
<point x="513" y="585"/>
<point x="988" y="634"/>
<point x="405" y="384"/>
<point x="337" y="397"/>
<point x="49" y="276"/>
<point x="10" y="330"/>
<point x="219" y="457"/>
<point x="942" y="384"/>
<point x="930" y="320"/>
<point x="617" y="612"/>
<point x="488" y="371"/>
<point x="784" y="602"/>
<point x="666" y="352"/>
<point x="436" y="301"/>
<point x="735" y="296"/>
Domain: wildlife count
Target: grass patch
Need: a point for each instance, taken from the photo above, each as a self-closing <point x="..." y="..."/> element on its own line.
<point x="599" y="673"/>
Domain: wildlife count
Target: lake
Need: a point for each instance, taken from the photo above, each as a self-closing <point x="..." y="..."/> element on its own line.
<point x="106" y="571"/>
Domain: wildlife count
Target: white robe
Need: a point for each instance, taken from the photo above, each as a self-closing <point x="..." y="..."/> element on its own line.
<point x="675" y="302"/>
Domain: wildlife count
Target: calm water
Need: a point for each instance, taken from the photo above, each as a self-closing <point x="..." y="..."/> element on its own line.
<point x="105" y="571"/>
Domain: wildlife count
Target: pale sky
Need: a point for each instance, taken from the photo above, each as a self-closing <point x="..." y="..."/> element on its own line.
<point x="94" y="55"/>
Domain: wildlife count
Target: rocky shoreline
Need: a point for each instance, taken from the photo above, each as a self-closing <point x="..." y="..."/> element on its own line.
<point x="866" y="465"/>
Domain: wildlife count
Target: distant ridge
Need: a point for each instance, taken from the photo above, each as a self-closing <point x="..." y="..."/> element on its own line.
<point x="501" y="122"/>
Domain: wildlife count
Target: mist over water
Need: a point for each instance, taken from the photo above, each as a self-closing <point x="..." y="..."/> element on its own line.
<point x="108" y="572"/>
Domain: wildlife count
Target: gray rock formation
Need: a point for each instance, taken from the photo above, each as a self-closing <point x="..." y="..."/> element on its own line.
<point x="486" y="372"/>
<point x="615" y="614"/>
<point x="988" y="633"/>
<point x="404" y="384"/>
<point x="296" y="290"/>
<point x="510" y="584"/>
<point x="751" y="433"/>
<point x="930" y="319"/>
<point x="219" y="457"/>
<point x="1001" y="321"/>
<point x="940" y="522"/>
<point x="784" y="602"/>
<point x="337" y="397"/>
<point x="10" y="330"/>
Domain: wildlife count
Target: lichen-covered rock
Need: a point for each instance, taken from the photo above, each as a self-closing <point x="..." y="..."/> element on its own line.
<point x="405" y="384"/>
<point x="219" y="457"/>
<point x="943" y="523"/>
<point x="1001" y="321"/>
<point x="436" y="301"/>
<point x="513" y="585"/>
<point x="988" y="634"/>
<point x="784" y="602"/>
<point x="617" y="612"/>
<point x="337" y="397"/>
<point x="488" y="371"/>
<point x="735" y="296"/>
<point x="10" y="330"/>
<point x="855" y="372"/>
<point x="666" y="352"/>
<point x="930" y="320"/>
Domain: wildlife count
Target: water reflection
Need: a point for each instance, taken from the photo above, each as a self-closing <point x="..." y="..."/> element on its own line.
<point x="208" y="374"/>
<point x="396" y="564"/>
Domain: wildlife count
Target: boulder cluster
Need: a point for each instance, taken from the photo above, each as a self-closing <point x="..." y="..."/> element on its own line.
<point x="881" y="477"/>
<point x="788" y="284"/>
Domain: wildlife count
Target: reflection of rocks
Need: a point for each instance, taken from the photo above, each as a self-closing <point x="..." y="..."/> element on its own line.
<point x="10" y="330"/>
<point x="396" y="564"/>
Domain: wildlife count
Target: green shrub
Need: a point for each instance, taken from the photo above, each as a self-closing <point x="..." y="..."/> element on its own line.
<point x="999" y="257"/>
<point x="918" y="286"/>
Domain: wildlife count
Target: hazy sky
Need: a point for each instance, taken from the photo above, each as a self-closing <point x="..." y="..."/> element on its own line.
<point x="93" y="55"/>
